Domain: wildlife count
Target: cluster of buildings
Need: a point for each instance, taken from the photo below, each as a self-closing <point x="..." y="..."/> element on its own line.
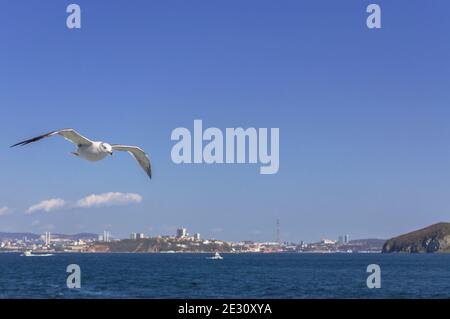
<point x="137" y="236"/>
<point x="180" y="234"/>
<point x="181" y="241"/>
<point x="46" y="242"/>
<point x="105" y="237"/>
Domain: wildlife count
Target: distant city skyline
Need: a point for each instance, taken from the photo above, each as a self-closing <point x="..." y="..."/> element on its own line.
<point x="48" y="238"/>
<point x="363" y="116"/>
<point x="183" y="232"/>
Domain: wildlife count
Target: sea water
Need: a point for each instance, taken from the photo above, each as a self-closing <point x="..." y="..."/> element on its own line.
<point x="290" y="275"/>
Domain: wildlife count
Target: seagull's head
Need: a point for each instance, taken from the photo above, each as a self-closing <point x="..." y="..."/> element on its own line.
<point x="107" y="148"/>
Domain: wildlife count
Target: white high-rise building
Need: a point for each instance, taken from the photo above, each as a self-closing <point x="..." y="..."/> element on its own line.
<point x="140" y="236"/>
<point x="181" y="232"/>
<point x="106" y="236"/>
<point x="346" y="239"/>
<point x="133" y="236"/>
<point x="196" y="236"/>
<point x="47" y="238"/>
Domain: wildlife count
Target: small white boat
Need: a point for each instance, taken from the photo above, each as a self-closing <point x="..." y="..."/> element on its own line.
<point x="29" y="253"/>
<point x="216" y="256"/>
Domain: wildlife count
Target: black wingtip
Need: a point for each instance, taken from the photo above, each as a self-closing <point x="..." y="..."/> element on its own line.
<point x="149" y="172"/>
<point x="17" y="144"/>
<point x="34" y="139"/>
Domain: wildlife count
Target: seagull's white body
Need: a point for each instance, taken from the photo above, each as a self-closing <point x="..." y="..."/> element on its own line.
<point x="94" y="151"/>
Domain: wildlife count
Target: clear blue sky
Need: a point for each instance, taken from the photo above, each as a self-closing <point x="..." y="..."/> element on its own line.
<point x="363" y="114"/>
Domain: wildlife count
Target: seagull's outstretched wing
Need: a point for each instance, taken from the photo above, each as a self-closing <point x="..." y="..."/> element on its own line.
<point x="138" y="154"/>
<point x="69" y="134"/>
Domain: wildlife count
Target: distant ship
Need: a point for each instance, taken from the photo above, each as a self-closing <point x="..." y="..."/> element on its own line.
<point x="216" y="256"/>
<point x="29" y="253"/>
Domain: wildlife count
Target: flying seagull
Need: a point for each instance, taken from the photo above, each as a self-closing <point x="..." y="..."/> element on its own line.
<point x="95" y="150"/>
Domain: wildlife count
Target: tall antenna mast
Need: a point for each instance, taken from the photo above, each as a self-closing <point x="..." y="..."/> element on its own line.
<point x="278" y="231"/>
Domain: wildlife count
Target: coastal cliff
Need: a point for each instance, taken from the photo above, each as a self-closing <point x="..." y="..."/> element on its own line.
<point x="434" y="238"/>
